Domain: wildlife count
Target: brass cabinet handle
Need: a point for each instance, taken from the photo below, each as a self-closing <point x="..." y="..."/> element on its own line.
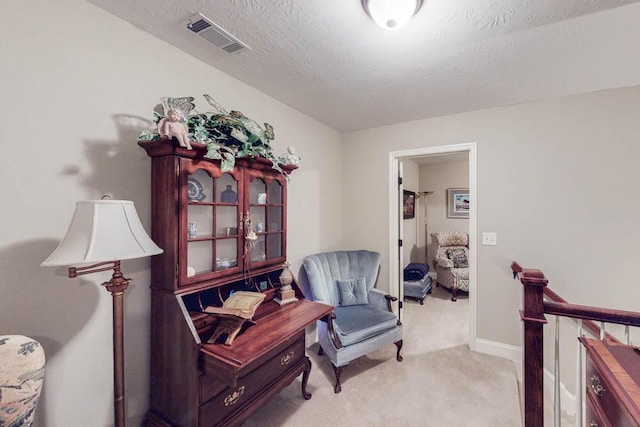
<point x="597" y="386"/>
<point x="233" y="398"/>
<point x="286" y="358"/>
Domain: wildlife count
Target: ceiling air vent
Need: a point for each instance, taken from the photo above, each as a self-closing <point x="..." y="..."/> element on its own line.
<point x="214" y="34"/>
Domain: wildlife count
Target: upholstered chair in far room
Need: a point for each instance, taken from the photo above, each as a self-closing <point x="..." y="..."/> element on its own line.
<point x="362" y="320"/>
<point x="451" y="260"/>
<point x="21" y="376"/>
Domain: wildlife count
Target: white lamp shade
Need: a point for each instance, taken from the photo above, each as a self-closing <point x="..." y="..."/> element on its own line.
<point x="391" y="14"/>
<point x="103" y="230"/>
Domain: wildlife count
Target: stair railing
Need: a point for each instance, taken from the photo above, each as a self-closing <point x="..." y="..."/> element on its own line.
<point x="533" y="317"/>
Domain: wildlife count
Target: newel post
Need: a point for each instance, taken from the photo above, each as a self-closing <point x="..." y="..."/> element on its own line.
<point x="532" y="316"/>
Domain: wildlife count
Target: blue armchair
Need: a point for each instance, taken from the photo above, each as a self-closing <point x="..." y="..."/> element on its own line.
<point x="362" y="320"/>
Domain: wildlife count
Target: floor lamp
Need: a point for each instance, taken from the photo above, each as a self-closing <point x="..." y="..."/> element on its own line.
<point x="425" y="220"/>
<point x="102" y="233"/>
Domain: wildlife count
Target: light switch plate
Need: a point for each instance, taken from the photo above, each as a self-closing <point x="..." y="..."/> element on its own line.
<point x="489" y="239"/>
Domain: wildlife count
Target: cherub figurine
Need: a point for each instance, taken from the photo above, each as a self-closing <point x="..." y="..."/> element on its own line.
<point x="290" y="157"/>
<point x="172" y="125"/>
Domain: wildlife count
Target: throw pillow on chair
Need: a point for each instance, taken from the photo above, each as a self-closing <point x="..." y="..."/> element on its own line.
<point x="353" y="292"/>
<point x="459" y="258"/>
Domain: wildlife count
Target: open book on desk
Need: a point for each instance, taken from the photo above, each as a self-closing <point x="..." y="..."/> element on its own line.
<point x="241" y="304"/>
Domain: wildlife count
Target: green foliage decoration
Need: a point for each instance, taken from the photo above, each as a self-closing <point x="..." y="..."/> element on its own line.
<point x="228" y="134"/>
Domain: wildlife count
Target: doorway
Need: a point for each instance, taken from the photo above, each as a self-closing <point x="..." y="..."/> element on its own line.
<point x="395" y="225"/>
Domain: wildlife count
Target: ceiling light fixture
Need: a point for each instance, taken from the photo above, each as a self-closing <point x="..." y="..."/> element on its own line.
<point x="391" y="14"/>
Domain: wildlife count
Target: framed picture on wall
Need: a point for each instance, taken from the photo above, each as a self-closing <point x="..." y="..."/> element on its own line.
<point x="458" y="202"/>
<point x="408" y="204"/>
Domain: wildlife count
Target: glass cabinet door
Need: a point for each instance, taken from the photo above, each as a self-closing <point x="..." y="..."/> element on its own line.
<point x="212" y="223"/>
<point x="266" y="213"/>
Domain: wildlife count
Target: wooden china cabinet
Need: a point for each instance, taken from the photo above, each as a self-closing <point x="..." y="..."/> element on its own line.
<point x="221" y="233"/>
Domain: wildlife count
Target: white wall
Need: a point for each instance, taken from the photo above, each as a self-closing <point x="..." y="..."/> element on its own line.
<point x="438" y="177"/>
<point x="78" y="85"/>
<point x="556" y="181"/>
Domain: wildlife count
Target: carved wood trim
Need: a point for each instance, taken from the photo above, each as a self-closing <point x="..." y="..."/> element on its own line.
<point x="390" y="299"/>
<point x="332" y="333"/>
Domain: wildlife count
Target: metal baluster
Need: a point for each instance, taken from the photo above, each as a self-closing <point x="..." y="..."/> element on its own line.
<point x="556" y="379"/>
<point x="579" y="378"/>
<point x="626" y="335"/>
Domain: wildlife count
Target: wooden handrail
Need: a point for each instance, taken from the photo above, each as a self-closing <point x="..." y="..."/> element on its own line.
<point x="558" y="306"/>
<point x="619" y="317"/>
<point x="588" y="323"/>
<point x="532" y="315"/>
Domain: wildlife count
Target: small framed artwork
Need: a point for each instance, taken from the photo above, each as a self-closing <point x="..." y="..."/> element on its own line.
<point x="458" y="202"/>
<point x="408" y="204"/>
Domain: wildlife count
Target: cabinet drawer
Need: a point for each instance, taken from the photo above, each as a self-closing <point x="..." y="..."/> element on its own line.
<point x="593" y="417"/>
<point x="211" y="387"/>
<point x="601" y="391"/>
<point x="221" y="404"/>
<point x="201" y="321"/>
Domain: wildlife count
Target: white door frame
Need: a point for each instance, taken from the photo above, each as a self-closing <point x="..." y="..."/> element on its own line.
<point x="394" y="267"/>
<point x="399" y="256"/>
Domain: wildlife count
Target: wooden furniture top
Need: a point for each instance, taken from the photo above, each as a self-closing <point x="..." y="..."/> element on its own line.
<point x="258" y="340"/>
<point x="620" y="365"/>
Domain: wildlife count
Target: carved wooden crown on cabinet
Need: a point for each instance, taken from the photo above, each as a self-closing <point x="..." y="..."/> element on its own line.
<point x="221" y="233"/>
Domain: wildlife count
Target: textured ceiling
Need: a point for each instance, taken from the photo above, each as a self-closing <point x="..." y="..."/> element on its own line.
<point x="327" y="59"/>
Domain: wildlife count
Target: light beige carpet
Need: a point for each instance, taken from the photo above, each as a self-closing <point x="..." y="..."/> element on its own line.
<point x="440" y="383"/>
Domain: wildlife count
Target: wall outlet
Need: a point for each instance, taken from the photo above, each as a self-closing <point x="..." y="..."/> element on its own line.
<point x="489" y="239"/>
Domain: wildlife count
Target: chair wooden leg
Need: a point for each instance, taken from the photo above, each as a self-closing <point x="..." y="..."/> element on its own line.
<point x="399" y="345"/>
<point x="337" y="388"/>
<point x="454" y="294"/>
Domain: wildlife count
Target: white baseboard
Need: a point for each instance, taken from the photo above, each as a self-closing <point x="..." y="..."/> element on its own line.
<point x="514" y="353"/>
<point x="567" y="399"/>
<point x="507" y="351"/>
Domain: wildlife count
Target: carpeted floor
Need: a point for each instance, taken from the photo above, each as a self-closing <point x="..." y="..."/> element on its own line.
<point x="440" y="383"/>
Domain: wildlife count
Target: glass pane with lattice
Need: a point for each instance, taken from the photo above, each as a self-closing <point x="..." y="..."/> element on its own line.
<point x="274" y="218"/>
<point x="258" y="219"/>
<point x="274" y="245"/>
<point x="199" y="221"/>
<point x="258" y="192"/>
<point x="226" y="253"/>
<point x="227" y="220"/>
<point x="275" y="193"/>
<point x="199" y="257"/>
<point x="200" y="187"/>
<point x="226" y="189"/>
<point x="256" y="250"/>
